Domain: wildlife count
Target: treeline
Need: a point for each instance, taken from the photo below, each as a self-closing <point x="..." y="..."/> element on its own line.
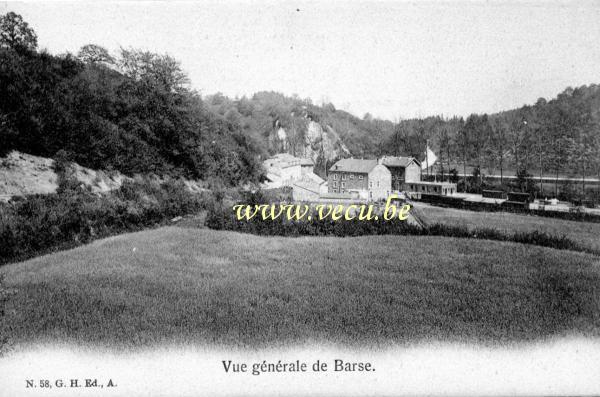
<point x="134" y="113"/>
<point x="556" y="138"/>
<point x="553" y="138"/>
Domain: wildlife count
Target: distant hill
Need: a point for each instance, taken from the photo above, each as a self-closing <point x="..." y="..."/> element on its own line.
<point x="135" y="112"/>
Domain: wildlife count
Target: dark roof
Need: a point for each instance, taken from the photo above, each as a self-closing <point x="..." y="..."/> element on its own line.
<point x="308" y="185"/>
<point x="398" y="161"/>
<point x="354" y="165"/>
<point x="305" y="161"/>
<point x="427" y="183"/>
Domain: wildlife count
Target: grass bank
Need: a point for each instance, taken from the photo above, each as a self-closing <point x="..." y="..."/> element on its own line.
<point x="585" y="233"/>
<point x="214" y="287"/>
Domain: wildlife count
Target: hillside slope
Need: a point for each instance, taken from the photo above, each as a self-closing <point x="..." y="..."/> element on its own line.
<point x="197" y="285"/>
<point x="24" y="174"/>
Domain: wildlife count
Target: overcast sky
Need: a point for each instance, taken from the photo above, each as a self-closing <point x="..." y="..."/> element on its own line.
<point x="392" y="59"/>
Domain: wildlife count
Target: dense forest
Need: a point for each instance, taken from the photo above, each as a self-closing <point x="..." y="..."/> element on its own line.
<point x="136" y="112"/>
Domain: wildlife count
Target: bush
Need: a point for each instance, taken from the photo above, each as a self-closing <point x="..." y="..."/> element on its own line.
<point x="223" y="218"/>
<point x="73" y="216"/>
<point x="4" y="294"/>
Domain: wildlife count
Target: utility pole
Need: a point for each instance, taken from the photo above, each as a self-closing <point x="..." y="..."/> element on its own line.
<point x="293" y="137"/>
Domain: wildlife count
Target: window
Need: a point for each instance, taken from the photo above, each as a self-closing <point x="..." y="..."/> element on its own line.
<point x="360" y="177"/>
<point x="334" y="177"/>
<point x="371" y="185"/>
<point x="334" y="184"/>
<point x="377" y="183"/>
<point x="343" y="177"/>
<point x="351" y="176"/>
<point x="343" y="184"/>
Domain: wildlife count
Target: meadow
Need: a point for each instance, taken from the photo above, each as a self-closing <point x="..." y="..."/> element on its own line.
<point x="191" y="285"/>
<point x="586" y="233"/>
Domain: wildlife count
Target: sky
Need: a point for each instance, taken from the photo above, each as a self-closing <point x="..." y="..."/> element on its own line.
<point x="392" y="59"/>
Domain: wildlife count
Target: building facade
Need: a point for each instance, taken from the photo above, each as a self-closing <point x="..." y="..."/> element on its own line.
<point x="403" y="170"/>
<point x="306" y="166"/>
<point x="365" y="178"/>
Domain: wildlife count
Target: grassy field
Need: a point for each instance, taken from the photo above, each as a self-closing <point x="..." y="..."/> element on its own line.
<point x="584" y="232"/>
<point x="197" y="285"/>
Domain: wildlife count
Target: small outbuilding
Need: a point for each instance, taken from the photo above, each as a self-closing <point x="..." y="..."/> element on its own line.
<point x="438" y="188"/>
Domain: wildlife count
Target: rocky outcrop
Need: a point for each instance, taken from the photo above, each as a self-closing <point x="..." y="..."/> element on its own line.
<point x="313" y="139"/>
<point x="23" y="174"/>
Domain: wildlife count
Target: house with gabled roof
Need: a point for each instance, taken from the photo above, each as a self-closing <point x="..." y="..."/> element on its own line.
<point x="307" y="165"/>
<point x="282" y="170"/>
<point x="366" y="178"/>
<point x="403" y="169"/>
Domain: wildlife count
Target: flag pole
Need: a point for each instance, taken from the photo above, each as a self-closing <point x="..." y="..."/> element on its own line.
<point x="427" y="157"/>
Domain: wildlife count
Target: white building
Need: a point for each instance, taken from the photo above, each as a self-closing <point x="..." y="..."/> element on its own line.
<point x="282" y="170"/>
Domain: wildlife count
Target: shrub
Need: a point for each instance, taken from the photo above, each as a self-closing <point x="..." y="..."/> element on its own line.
<point x="73" y="216"/>
<point x="223" y="218"/>
<point x="4" y="294"/>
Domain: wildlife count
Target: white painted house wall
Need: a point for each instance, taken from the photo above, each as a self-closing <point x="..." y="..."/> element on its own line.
<point x="380" y="183"/>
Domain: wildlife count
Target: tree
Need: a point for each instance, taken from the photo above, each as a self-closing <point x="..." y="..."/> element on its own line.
<point x="422" y="135"/>
<point x="463" y="141"/>
<point x="475" y="180"/>
<point x="378" y="129"/>
<point x="92" y="54"/>
<point x="444" y="145"/>
<point x="524" y="183"/>
<point x="453" y="175"/>
<point x="397" y="139"/>
<point x="519" y="139"/>
<point x="154" y="69"/>
<point x="563" y="151"/>
<point x="496" y="145"/>
<point x="16" y="33"/>
<point x="477" y="130"/>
